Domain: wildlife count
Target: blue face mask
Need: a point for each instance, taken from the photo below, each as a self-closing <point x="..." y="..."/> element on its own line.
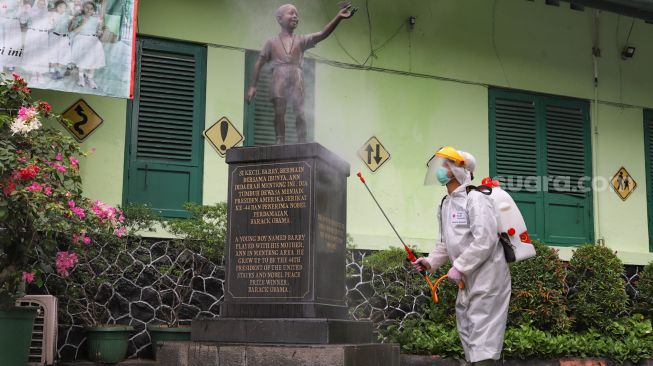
<point x="442" y="175"/>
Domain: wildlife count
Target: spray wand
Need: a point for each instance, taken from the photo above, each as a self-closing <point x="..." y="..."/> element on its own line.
<point x="411" y="256"/>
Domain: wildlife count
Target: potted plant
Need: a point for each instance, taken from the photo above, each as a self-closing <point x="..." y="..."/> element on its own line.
<point x="173" y="287"/>
<point x="200" y="238"/>
<point x="45" y="222"/>
<point x="88" y="294"/>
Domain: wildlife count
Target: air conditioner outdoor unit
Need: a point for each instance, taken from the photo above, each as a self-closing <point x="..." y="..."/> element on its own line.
<point x="44" y="334"/>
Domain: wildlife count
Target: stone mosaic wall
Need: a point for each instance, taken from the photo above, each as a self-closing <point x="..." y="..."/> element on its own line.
<point x="159" y="281"/>
<point x="140" y="293"/>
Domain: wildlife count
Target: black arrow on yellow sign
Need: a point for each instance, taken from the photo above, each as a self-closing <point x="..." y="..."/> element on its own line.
<point x="369" y="150"/>
<point x="373" y="154"/>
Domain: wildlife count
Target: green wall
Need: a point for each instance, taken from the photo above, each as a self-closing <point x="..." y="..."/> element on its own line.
<point x="456" y="49"/>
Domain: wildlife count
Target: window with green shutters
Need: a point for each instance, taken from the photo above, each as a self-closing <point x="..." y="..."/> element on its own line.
<point x="648" y="145"/>
<point x="164" y="156"/>
<point x="540" y="151"/>
<point x="259" y="115"/>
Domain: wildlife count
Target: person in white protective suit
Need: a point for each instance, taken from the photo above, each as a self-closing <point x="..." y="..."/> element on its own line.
<point x="469" y="238"/>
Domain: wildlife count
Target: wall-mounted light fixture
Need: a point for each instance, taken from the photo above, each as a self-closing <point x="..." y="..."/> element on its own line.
<point x="628" y="52"/>
<point x="411" y="22"/>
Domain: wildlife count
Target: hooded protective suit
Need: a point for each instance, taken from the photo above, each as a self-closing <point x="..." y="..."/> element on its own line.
<point x="468" y="227"/>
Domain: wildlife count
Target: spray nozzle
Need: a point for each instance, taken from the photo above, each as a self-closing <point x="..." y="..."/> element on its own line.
<point x="360" y="176"/>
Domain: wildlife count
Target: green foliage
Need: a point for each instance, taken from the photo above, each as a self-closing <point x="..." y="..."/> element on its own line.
<point x="596" y="290"/>
<point x="538" y="292"/>
<point x="421" y="336"/>
<point x="205" y="231"/>
<point x="391" y="259"/>
<point x="139" y="217"/>
<point x="631" y="340"/>
<point x="644" y="300"/>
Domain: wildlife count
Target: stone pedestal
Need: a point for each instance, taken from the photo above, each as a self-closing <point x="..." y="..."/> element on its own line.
<point x="285" y="262"/>
<point x="214" y="354"/>
<point x="296" y="331"/>
<point x="286" y="236"/>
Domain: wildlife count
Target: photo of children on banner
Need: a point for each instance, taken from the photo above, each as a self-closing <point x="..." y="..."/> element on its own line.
<point x="71" y="45"/>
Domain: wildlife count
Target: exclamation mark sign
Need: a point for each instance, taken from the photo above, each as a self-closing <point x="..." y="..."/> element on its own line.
<point x="224" y="129"/>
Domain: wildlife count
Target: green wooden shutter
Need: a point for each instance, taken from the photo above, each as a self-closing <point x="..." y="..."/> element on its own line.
<point x="514" y="152"/>
<point x="567" y="200"/>
<point x="259" y="115"/>
<point x="648" y="144"/>
<point x="540" y="150"/>
<point x="165" y="149"/>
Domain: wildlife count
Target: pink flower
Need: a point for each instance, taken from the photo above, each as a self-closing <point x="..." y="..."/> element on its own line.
<point x="27" y="114"/>
<point x="58" y="157"/>
<point x="34" y="187"/>
<point x="65" y="261"/>
<point x="120" y="232"/>
<point x="59" y="167"/>
<point x="81" y="237"/>
<point x="71" y="203"/>
<point x="28" y="277"/>
<point x="103" y="211"/>
<point x="47" y="191"/>
<point x="23" y="112"/>
<point x="73" y="160"/>
<point x="79" y="212"/>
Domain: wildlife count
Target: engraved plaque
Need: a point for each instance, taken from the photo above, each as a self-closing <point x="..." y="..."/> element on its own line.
<point x="285" y="251"/>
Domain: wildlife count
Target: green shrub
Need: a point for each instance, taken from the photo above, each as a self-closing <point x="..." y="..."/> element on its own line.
<point x="426" y="337"/>
<point x="632" y="342"/>
<point x="388" y="260"/>
<point x="538" y="292"/>
<point x="139" y="217"/>
<point x="596" y="290"/>
<point x="644" y="300"/>
<point x="394" y="291"/>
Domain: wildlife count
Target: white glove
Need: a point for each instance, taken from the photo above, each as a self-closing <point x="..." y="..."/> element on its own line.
<point x="454" y="275"/>
<point x="421" y="264"/>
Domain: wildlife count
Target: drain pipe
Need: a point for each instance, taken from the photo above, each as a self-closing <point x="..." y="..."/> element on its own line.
<point x="596" y="53"/>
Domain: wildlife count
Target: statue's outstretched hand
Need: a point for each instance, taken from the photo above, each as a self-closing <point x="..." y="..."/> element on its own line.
<point x="346" y="10"/>
<point x="251" y="93"/>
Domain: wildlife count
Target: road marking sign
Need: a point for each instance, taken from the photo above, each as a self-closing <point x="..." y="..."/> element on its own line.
<point x="83" y="119"/>
<point x="373" y="154"/>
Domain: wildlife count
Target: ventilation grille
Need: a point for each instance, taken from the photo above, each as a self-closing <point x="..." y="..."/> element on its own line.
<point x="565" y="146"/>
<point x="166" y="106"/>
<point x="44" y="334"/>
<point x="516" y="141"/>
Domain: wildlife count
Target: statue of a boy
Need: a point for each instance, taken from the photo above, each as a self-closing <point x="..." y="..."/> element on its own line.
<point x="286" y="52"/>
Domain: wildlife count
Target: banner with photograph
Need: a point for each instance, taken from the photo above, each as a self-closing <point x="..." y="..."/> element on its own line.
<point x="80" y="46"/>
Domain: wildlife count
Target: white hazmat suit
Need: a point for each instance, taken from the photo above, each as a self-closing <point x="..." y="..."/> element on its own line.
<point x="468" y="227"/>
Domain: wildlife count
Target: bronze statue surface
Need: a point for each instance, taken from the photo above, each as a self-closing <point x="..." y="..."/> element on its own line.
<point x="285" y="52"/>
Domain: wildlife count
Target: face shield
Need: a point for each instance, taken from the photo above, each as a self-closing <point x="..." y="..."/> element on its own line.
<point x="437" y="169"/>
